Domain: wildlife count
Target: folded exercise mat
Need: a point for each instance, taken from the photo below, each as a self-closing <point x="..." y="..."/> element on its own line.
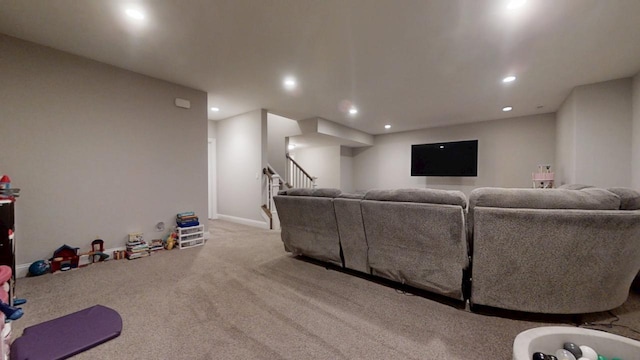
<point x="68" y="335"/>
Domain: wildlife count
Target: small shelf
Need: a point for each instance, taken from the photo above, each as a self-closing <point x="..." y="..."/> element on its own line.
<point x="189" y="237"/>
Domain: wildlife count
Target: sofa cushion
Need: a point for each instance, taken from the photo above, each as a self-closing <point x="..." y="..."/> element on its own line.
<point x="431" y="196"/>
<point x="585" y="199"/>
<point x="321" y="192"/>
<point x="574" y="186"/>
<point x="357" y="196"/>
<point x="629" y="198"/>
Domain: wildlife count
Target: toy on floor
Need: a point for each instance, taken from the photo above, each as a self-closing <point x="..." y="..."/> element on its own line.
<point x="19" y="301"/>
<point x="68" y="335"/>
<point x="170" y="240"/>
<point x="10" y="312"/>
<point x="97" y="250"/>
<point x="96" y="254"/>
<point x="39" y="267"/>
<point x="64" y="258"/>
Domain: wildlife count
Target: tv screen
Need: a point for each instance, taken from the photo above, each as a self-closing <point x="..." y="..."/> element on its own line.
<point x="458" y="158"/>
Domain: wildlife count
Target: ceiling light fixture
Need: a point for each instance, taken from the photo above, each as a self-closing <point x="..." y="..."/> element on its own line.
<point x="134" y="14"/>
<point x="292" y="146"/>
<point x="387" y="126"/>
<point x="509" y="79"/>
<point x="353" y="110"/>
<point x="289" y="83"/>
<point x="514" y="4"/>
<point x="507" y="108"/>
<point x="215" y="109"/>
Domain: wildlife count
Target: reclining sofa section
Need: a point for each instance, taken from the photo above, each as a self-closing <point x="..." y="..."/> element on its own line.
<point x="417" y="237"/>
<point x="412" y="236"/>
<point x="554" y="250"/>
<point x="308" y="223"/>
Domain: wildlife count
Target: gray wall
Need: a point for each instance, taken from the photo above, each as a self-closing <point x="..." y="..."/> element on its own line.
<point x="322" y="162"/>
<point x="565" y="169"/>
<point x="599" y="119"/>
<point x="278" y="129"/>
<point x="239" y="152"/>
<point x="509" y="150"/>
<point x="346" y="169"/>
<point x="212" y="131"/>
<point x="97" y="151"/>
<point x="635" y="152"/>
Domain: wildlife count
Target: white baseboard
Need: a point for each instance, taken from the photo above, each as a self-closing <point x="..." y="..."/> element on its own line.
<point x="22" y="270"/>
<point x="243" y="221"/>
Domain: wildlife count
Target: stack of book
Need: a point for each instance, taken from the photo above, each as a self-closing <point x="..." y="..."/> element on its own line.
<point x="136" y="246"/>
<point x="187" y="219"/>
<point x="156" y="245"/>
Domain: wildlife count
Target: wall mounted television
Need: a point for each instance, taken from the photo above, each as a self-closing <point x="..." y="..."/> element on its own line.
<point x="457" y="158"/>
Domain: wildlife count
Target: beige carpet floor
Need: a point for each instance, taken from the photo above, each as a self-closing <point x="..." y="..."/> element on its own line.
<point x="241" y="296"/>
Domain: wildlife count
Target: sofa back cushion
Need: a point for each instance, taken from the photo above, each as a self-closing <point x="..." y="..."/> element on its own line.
<point x="574" y="186"/>
<point x="319" y="192"/>
<point x="430" y="196"/>
<point x="629" y="198"/>
<point x="585" y="199"/>
<point x="308" y="223"/>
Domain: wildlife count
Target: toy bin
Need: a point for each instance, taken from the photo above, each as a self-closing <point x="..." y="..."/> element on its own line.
<point x="548" y="339"/>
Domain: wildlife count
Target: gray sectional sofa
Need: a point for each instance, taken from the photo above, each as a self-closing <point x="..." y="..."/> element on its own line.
<point x="561" y="251"/>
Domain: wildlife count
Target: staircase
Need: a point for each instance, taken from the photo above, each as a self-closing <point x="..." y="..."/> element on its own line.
<point x="296" y="177"/>
<point x="272" y="183"/>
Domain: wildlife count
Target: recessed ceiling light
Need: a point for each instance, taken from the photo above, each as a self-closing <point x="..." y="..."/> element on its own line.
<point x="292" y="146"/>
<point x="353" y="110"/>
<point x="509" y="79"/>
<point x="215" y="109"/>
<point x="513" y="4"/>
<point x="289" y="83"/>
<point x="135" y="14"/>
<point x="387" y="126"/>
<point x="507" y="108"/>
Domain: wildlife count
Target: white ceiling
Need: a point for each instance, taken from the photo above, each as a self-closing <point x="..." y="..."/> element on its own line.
<point x="409" y="63"/>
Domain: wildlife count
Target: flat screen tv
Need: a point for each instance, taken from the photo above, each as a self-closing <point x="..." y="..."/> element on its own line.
<point x="458" y="158"/>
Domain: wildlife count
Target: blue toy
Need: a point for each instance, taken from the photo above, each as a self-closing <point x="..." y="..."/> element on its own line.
<point x="11" y="312"/>
<point x="39" y="267"/>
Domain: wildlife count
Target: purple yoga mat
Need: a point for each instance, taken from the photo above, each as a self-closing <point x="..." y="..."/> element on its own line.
<point x="67" y="335"/>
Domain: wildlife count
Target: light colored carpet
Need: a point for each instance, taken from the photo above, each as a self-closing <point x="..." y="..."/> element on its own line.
<point x="242" y="297"/>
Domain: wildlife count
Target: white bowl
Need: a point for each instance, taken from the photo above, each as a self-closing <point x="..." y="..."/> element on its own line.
<point x="548" y="339"/>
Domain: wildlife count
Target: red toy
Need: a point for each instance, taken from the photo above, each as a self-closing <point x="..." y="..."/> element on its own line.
<point x="64" y="258"/>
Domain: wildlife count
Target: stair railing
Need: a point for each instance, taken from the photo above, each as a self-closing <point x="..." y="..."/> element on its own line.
<point x="297" y="177"/>
<point x="273" y="184"/>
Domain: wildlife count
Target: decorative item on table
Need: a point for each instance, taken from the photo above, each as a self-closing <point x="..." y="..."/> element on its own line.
<point x="136" y="246"/>
<point x="187" y="219"/>
<point x="6" y="192"/>
<point x="543" y="179"/>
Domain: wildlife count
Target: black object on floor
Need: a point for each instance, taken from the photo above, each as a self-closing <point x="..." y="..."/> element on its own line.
<point x="68" y="335"/>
